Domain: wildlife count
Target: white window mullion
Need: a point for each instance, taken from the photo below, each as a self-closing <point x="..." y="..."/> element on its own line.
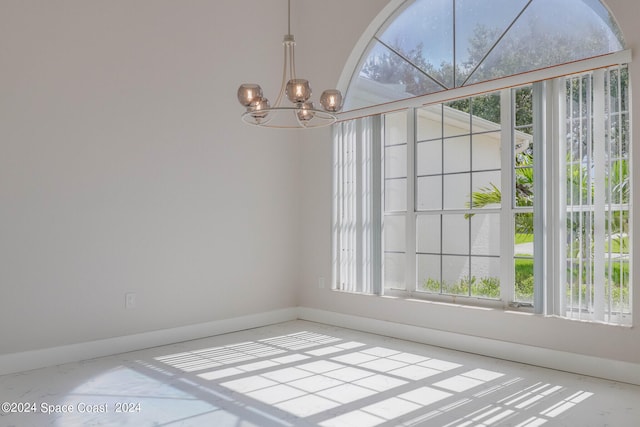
<point x="555" y="271"/>
<point x="351" y="211"/>
<point x="599" y="183"/>
<point x="376" y="208"/>
<point x="539" y="186"/>
<point x="410" y="217"/>
<point x="338" y="197"/>
<point x="507" y="273"/>
<point x="573" y="250"/>
<point x="556" y="156"/>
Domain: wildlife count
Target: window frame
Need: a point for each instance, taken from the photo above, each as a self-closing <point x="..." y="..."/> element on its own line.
<point x="546" y="300"/>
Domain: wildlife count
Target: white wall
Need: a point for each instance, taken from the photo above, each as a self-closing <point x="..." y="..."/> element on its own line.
<point x="618" y="343"/>
<point x="124" y="167"/>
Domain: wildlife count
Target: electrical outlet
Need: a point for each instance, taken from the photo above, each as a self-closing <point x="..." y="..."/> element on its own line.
<point x="321" y="283"/>
<point x="130" y="300"/>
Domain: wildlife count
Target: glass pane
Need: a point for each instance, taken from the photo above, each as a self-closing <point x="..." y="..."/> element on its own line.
<point x="486" y="112"/>
<point x="384" y="76"/>
<point x="486" y="190"/>
<point x="394" y="233"/>
<point x="485" y="234"/>
<point x="523" y="234"/>
<point x="394" y="271"/>
<point x="429" y="122"/>
<point x="429" y="158"/>
<point x="485" y="277"/>
<point x="523" y="100"/>
<point x="523" y="262"/>
<point x="395" y="128"/>
<point x="457" y="191"/>
<point x="485" y="152"/>
<point x="455" y="275"/>
<point x="428" y="234"/>
<point x="479" y="23"/>
<point x="523" y="146"/>
<point x="524" y="187"/>
<point x="575" y="30"/>
<point x="428" y="273"/>
<point x="456" y="117"/>
<point x="523" y="279"/>
<point x="429" y="193"/>
<point x="395" y="195"/>
<point x="457" y="154"/>
<point x="430" y="44"/>
<point x="395" y="77"/>
<point x="455" y="234"/>
<point x="395" y="161"/>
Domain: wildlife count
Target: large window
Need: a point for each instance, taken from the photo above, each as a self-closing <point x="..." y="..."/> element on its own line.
<point x="479" y="186"/>
<point x="518" y="197"/>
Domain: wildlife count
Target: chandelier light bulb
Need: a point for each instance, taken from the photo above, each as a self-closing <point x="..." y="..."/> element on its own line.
<point x="331" y="100"/>
<point x="249" y="92"/>
<point x="305" y="112"/>
<point x="258" y="107"/>
<point x="298" y="90"/>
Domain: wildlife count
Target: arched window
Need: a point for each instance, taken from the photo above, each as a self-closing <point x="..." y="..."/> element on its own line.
<point x="500" y="173"/>
<point x="429" y="46"/>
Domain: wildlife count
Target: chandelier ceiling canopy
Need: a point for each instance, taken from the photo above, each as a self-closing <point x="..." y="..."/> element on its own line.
<point x="301" y="113"/>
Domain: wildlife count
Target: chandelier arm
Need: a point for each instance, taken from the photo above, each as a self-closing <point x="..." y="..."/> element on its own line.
<point x="277" y="118"/>
<point x="292" y="60"/>
<point x="300" y="123"/>
<point x="284" y="78"/>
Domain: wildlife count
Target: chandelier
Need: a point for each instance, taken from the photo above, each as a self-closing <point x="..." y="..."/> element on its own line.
<point x="301" y="113"/>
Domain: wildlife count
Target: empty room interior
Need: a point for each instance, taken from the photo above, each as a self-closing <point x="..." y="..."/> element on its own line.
<point x="412" y="213"/>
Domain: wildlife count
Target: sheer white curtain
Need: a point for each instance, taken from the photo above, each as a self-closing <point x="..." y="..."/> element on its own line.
<point x="357" y="195"/>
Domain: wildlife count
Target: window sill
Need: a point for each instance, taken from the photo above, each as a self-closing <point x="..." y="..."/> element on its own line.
<point x="479" y="304"/>
<point x="460" y="301"/>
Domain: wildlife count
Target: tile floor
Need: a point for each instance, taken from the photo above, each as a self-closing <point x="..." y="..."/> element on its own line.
<point x="306" y="374"/>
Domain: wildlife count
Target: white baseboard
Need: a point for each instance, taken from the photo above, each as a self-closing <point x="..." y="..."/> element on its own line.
<point x="553" y="359"/>
<point x="28" y="360"/>
<point x="560" y="360"/>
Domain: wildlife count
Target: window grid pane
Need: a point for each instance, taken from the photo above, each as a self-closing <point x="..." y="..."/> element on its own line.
<point x="395" y="200"/>
<point x="460" y="171"/>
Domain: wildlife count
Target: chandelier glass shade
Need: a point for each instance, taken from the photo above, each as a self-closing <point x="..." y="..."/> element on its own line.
<point x="300" y="113"/>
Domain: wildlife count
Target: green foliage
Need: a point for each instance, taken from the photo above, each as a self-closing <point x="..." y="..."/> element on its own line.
<point x="524" y="108"/>
<point x="390" y="68"/>
<point x="524" y="281"/>
<point x="486" y="107"/>
<point x="523" y="238"/>
<point x="618" y="275"/>
<point x="485" y="287"/>
<point x="616" y="287"/>
<point x="491" y="194"/>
